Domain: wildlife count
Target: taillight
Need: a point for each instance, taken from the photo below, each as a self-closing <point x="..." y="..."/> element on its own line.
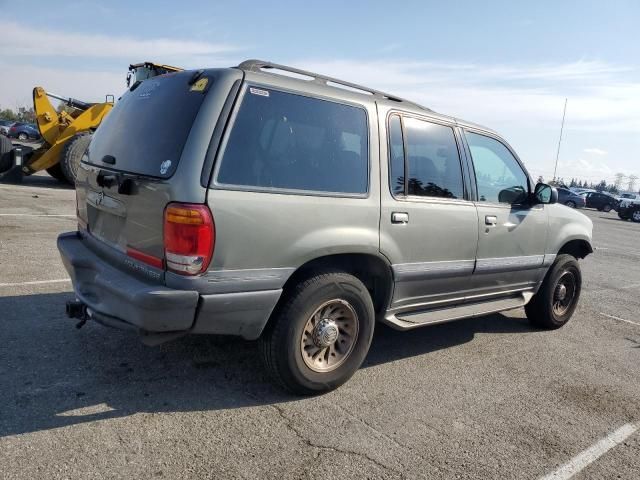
<point x="189" y="238"/>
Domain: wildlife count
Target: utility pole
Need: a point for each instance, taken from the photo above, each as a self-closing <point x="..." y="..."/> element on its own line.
<point x="632" y="182"/>
<point x="564" y="112"/>
<point x="619" y="179"/>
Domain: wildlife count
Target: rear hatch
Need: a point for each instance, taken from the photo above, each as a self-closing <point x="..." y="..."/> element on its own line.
<point x="149" y="151"/>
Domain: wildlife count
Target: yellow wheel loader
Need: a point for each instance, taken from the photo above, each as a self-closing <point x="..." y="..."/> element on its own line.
<point x="65" y="134"/>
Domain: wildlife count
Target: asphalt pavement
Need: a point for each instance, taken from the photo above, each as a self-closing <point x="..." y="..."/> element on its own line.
<point x="483" y="398"/>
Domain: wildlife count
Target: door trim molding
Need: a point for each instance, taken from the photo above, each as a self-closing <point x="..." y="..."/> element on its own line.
<point x="424" y="270"/>
<point x="507" y="264"/>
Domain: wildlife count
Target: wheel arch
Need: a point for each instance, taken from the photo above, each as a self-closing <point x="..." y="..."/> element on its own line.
<point x="372" y="270"/>
<point x="577" y="247"/>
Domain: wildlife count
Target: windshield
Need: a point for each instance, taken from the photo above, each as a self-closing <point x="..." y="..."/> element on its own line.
<point x="147" y="129"/>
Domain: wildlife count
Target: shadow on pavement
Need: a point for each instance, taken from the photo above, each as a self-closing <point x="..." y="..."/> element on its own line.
<point x="55" y="376"/>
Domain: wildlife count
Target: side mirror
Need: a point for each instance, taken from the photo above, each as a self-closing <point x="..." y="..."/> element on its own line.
<point x="545" y="194"/>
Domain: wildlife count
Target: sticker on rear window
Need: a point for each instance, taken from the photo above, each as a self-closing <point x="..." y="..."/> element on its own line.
<point x="257" y="91"/>
<point x="200" y="85"/>
<point x="164" y="167"/>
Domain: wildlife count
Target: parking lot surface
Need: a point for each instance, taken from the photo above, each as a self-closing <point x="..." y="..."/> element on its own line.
<point x="481" y="398"/>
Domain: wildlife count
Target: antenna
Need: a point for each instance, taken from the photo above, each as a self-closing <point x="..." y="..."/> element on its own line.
<point x="555" y="170"/>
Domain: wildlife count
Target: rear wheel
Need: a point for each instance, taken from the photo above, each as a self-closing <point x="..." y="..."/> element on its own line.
<point x="72" y="154"/>
<point x="23" y="136"/>
<point x="606" y="208"/>
<point x="56" y="172"/>
<point x="557" y="298"/>
<point x="570" y="204"/>
<point x="321" y="334"/>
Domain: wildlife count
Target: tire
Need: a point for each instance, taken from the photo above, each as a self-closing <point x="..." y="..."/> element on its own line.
<point x="23" y="136"/>
<point x="570" y="204"/>
<point x="5" y="154"/>
<point x="57" y="173"/>
<point x="72" y="153"/>
<point x="546" y="309"/>
<point x="635" y="215"/>
<point x="307" y="316"/>
<point x="607" y="208"/>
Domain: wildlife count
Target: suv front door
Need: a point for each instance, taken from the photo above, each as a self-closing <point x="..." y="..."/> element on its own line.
<point x="512" y="232"/>
<point x="428" y="225"/>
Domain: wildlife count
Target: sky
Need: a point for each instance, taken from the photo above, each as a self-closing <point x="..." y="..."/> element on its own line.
<point x="504" y="64"/>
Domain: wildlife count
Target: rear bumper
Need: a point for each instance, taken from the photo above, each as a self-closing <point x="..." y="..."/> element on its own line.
<point x="113" y="293"/>
<point x="119" y="299"/>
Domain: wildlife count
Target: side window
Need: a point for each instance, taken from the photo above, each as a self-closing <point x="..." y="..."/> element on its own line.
<point x="432" y="163"/>
<point x="499" y="176"/>
<point x="396" y="156"/>
<point x="288" y="141"/>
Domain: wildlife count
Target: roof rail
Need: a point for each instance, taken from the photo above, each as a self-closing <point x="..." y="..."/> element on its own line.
<point x="259" y="65"/>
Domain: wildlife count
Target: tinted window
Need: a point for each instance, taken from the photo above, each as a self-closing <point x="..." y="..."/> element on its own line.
<point x="432" y="160"/>
<point x="396" y="156"/>
<point x="147" y="129"/>
<point x="498" y="174"/>
<point x="282" y="140"/>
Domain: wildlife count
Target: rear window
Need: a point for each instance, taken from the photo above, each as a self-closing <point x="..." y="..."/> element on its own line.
<point x="287" y="141"/>
<point x="147" y="129"/>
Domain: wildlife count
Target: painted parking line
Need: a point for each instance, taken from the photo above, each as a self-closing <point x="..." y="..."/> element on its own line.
<point x="619" y="319"/>
<point x="35" y="215"/>
<point x="35" y="282"/>
<point x="591" y="454"/>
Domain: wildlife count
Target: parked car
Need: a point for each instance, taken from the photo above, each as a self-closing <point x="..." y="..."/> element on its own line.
<point x="570" y="199"/>
<point x="4" y="126"/>
<point x="629" y="208"/>
<point x="301" y="212"/>
<point x="600" y="200"/>
<point x="24" y="131"/>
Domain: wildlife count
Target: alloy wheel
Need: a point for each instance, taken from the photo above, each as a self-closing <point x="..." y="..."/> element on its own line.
<point x="329" y="336"/>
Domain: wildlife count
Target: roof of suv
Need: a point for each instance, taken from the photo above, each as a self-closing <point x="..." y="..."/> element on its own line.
<point x="304" y="77"/>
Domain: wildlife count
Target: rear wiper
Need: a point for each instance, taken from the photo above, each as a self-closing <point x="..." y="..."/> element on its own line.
<point x="195" y="77"/>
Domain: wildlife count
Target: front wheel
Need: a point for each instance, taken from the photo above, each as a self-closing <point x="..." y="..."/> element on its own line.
<point x="321" y="334"/>
<point x="635" y="215"/>
<point x="557" y="298"/>
<point x="606" y="208"/>
<point x="23" y="136"/>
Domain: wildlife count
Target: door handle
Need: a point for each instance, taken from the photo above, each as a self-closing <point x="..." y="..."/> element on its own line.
<point x="491" y="220"/>
<point x="400" y="217"/>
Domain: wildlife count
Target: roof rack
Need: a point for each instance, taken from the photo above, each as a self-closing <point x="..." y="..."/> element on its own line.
<point x="259" y="65"/>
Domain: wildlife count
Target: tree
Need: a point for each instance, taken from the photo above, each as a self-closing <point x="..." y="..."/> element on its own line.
<point x="602" y="186"/>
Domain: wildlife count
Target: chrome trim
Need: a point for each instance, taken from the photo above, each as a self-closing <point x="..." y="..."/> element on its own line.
<point x="274" y="276"/>
<point x="420" y="270"/>
<point x="505" y="264"/>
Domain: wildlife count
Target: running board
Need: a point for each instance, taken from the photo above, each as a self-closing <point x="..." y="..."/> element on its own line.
<point x="413" y="319"/>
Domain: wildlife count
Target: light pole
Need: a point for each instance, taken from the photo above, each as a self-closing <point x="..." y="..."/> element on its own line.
<point x="564" y="112"/>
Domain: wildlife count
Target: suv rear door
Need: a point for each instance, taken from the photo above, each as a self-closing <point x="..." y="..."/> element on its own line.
<point x="428" y="225"/>
<point x="512" y="233"/>
<point x="150" y="151"/>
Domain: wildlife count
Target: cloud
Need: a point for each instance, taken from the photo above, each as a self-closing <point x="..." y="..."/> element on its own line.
<point x="19" y="40"/>
<point x="595" y="151"/>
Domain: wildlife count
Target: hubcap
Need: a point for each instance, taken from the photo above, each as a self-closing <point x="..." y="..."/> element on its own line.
<point x="565" y="293"/>
<point x="636" y="215"/>
<point x="329" y="336"/>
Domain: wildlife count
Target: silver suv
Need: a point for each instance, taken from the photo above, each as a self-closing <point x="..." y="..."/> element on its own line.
<point x="301" y="211"/>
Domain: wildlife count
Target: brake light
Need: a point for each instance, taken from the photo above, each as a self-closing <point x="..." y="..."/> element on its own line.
<point x="189" y="238"/>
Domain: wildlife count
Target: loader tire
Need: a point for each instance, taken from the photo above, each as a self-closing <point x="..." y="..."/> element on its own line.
<point x="5" y="153"/>
<point x="72" y="154"/>
<point x="57" y="173"/>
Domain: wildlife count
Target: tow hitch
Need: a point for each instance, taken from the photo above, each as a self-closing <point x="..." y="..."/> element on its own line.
<point x="78" y="310"/>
